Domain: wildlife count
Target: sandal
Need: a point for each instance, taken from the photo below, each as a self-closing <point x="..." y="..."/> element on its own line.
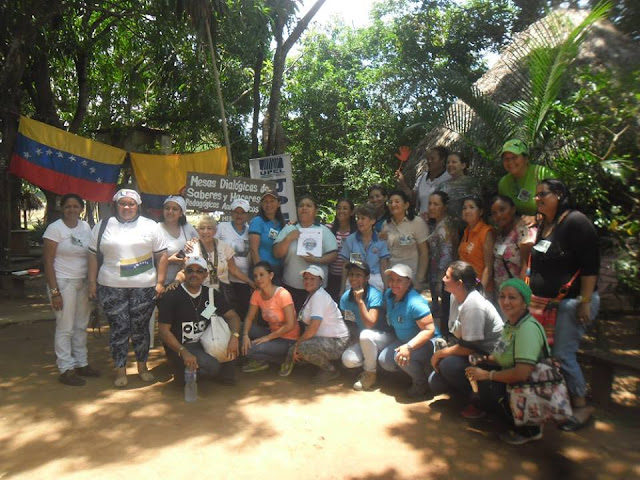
<point x="146" y="376"/>
<point x="121" y="381"/>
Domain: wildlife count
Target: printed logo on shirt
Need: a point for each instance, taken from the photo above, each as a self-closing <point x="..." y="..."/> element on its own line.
<point x="192" y="331"/>
<point x="76" y="241"/>
<point x="130" y="267"/>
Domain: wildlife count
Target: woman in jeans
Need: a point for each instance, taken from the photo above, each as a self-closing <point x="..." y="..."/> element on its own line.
<point x="260" y="344"/>
<point x="566" y="246"/>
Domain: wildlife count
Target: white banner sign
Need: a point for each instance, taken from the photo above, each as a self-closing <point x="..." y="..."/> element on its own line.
<point x="277" y="169"/>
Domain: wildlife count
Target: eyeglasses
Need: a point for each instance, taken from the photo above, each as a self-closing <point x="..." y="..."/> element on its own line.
<point x="191" y="271"/>
<point x="542" y="194"/>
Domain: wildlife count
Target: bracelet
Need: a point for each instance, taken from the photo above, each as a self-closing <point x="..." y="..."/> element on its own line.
<point x="491" y="375"/>
<point x="180" y="351"/>
<point x="55" y="292"/>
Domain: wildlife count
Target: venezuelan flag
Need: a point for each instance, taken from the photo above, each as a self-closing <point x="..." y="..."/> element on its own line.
<point x="159" y="176"/>
<point x="62" y="162"/>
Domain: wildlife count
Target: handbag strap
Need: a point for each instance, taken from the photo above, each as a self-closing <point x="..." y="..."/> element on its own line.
<point x="547" y="349"/>
<point x="506" y="266"/>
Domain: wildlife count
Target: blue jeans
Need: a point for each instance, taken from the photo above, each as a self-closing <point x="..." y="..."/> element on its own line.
<point x="568" y="333"/>
<point x="273" y="351"/>
<point x="419" y="364"/>
<point x="451" y="377"/>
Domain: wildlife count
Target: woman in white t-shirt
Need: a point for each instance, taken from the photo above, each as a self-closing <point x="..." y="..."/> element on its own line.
<point x="477" y="327"/>
<point x="127" y="279"/>
<point x="177" y="232"/>
<point x="66" y="246"/>
<point x="236" y="234"/>
<point x="325" y="337"/>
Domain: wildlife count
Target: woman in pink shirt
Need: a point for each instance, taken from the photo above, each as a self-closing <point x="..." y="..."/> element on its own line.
<point x="264" y="345"/>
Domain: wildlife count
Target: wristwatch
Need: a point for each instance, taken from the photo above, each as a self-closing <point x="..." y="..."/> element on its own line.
<point x="582" y="299"/>
<point x="236" y="334"/>
<point x="54" y="292"/>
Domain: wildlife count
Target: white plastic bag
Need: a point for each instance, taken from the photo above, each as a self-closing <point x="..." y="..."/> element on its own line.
<point x="215" y="338"/>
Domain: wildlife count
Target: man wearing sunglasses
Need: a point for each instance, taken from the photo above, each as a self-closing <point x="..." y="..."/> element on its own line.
<point x="182" y="322"/>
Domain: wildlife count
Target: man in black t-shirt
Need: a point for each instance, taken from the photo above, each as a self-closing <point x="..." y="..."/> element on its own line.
<point x="181" y="323"/>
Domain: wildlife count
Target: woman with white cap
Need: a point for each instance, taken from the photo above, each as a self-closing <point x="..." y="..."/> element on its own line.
<point x="127" y="270"/>
<point x="236" y="234"/>
<point x="409" y="315"/>
<point x="325" y="337"/>
<point x="177" y="232"/>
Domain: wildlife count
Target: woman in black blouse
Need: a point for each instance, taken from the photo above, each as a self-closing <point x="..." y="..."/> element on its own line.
<point x="567" y="243"/>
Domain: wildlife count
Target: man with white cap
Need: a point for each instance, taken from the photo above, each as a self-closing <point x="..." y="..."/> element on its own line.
<point x="184" y="316"/>
<point x="409" y="315"/>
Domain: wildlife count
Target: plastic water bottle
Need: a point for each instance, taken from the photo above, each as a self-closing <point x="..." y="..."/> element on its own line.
<point x="190" y="385"/>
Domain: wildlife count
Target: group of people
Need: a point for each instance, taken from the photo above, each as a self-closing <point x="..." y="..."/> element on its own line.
<point x="358" y="300"/>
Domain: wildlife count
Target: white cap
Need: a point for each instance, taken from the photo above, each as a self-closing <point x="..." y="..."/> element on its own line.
<point x="314" y="270"/>
<point x="179" y="200"/>
<point x="127" y="193"/>
<point x="240" y="203"/>
<point x="400" y="269"/>
<point x="195" y="260"/>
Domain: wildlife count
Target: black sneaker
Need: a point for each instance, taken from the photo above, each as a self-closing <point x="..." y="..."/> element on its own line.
<point x="70" y="378"/>
<point x="87" y="371"/>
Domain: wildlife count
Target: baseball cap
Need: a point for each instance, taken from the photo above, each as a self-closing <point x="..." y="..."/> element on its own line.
<point x="273" y="193"/>
<point x="358" y="264"/>
<point x="240" y="203"/>
<point x="314" y="270"/>
<point x="515" y="146"/>
<point x="195" y="260"/>
<point x="400" y="269"/>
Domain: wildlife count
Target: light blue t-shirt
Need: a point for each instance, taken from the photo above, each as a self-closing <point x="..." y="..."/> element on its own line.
<point x="402" y="315"/>
<point x="353" y="247"/>
<point x="268" y="231"/>
<point x="351" y="311"/>
<point x="294" y="264"/>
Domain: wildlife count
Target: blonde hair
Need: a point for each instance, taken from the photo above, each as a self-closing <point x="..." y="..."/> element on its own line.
<point x="207" y="219"/>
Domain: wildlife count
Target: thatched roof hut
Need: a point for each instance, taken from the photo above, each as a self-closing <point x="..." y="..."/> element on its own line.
<point x="604" y="48"/>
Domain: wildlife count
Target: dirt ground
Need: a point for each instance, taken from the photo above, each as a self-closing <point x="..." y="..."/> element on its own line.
<point x="264" y="427"/>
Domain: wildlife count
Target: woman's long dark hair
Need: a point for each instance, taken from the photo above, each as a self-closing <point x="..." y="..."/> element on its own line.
<point x="464" y="271"/>
<point x="376" y="186"/>
<point x="353" y="226"/>
<point x="410" y="213"/>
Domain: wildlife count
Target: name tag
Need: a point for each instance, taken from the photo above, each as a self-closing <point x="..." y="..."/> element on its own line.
<point x="209" y="311"/>
<point x="500" y="249"/>
<point x="404" y="240"/>
<point x="349" y="316"/>
<point x="524" y="195"/>
<point x="355" y="257"/>
<point x="470" y="247"/>
<point x="273" y="233"/>
<point x="542" y="246"/>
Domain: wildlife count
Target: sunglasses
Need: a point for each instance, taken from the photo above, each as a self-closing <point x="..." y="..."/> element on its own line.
<point x="191" y="271"/>
<point x="542" y="194"/>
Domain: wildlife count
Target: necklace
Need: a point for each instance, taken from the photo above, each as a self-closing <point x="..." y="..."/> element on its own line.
<point x="196" y="305"/>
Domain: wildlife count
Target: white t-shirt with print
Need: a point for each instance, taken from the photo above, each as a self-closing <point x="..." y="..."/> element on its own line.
<point x="72" y="250"/>
<point x="128" y="250"/>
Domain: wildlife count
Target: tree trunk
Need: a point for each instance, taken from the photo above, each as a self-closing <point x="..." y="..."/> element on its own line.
<point x="223" y="115"/>
<point x="279" y="59"/>
<point x="257" y="78"/>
